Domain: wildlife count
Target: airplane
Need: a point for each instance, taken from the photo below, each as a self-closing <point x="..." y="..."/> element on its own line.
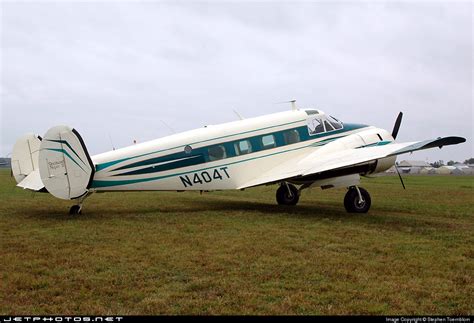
<point x="296" y="149"/>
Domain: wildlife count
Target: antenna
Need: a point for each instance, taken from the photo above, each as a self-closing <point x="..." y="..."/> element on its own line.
<point x="293" y="104"/>
<point x="167" y="126"/>
<point x="238" y="115"/>
<point x="110" y="138"/>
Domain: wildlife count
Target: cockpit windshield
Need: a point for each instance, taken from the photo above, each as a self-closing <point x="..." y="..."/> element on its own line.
<point x="320" y="123"/>
<point x="334" y="122"/>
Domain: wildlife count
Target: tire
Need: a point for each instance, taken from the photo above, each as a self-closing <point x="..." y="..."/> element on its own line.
<point x="352" y="203"/>
<point x="75" y="210"/>
<point x="283" y="197"/>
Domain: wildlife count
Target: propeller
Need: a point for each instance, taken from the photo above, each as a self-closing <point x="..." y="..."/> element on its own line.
<point x="396" y="127"/>
<point x="400" y="176"/>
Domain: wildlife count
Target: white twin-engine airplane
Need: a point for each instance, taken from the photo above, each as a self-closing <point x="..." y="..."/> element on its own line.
<point x="297" y="149"/>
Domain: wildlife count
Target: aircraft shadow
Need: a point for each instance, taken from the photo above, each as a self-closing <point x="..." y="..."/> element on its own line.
<point x="222" y="207"/>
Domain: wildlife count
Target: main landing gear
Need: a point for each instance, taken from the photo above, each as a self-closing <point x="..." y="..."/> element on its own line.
<point x="357" y="199"/>
<point x="287" y="194"/>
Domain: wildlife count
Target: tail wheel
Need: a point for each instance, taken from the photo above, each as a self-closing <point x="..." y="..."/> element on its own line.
<point x="75" y="210"/>
<point x="355" y="203"/>
<point x="287" y="194"/>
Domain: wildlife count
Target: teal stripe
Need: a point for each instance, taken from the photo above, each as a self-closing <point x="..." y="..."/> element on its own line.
<point x="149" y="170"/>
<point x="191" y="161"/>
<point x="67" y="144"/>
<point x="188" y="162"/>
<point x="100" y="167"/>
<point x="380" y="143"/>
<point x="67" y="154"/>
<point x="99" y="183"/>
<point x="326" y="141"/>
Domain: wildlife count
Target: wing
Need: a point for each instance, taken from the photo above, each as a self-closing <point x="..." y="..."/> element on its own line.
<point x="316" y="163"/>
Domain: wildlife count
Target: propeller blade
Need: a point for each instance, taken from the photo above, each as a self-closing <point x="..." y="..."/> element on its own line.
<point x="397" y="125"/>
<point x="400" y="176"/>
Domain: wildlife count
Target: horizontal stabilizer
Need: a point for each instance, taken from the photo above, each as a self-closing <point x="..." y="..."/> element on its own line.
<point x="32" y="182"/>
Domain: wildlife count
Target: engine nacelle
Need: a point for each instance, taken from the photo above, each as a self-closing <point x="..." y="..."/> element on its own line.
<point x="384" y="163"/>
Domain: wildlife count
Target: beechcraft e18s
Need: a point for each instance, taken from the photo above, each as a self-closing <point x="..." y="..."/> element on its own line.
<point x="296" y="149"/>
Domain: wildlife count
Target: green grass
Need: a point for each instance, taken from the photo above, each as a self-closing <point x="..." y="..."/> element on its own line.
<point x="239" y="253"/>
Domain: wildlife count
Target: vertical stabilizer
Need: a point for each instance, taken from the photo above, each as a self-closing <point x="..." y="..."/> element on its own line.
<point x="25" y="156"/>
<point x="65" y="166"/>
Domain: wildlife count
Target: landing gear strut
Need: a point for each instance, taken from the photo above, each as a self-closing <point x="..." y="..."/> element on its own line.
<point x="77" y="209"/>
<point x="357" y="200"/>
<point x="287" y="194"/>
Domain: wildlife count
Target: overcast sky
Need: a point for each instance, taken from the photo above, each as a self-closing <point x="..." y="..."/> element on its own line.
<point x="119" y="69"/>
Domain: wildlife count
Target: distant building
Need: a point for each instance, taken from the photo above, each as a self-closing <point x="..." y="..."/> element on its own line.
<point x="412" y="166"/>
<point x="424" y="168"/>
<point x="427" y="171"/>
<point x="413" y="163"/>
<point x="468" y="171"/>
<point x="448" y="170"/>
<point x="460" y="165"/>
<point x="5" y="163"/>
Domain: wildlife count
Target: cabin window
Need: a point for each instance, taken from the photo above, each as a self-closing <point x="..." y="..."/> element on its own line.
<point x="291" y="136"/>
<point x="217" y="152"/>
<point x="315" y="126"/>
<point x="268" y="141"/>
<point x="243" y="147"/>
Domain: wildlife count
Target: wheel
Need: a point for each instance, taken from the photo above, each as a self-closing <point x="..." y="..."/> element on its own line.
<point x="284" y="197"/>
<point x="352" y="202"/>
<point x="75" y="209"/>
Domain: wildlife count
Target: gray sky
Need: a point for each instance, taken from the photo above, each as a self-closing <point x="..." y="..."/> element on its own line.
<point x="118" y="68"/>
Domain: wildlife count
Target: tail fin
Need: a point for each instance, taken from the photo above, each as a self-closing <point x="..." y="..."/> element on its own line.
<point x="25" y="162"/>
<point x="65" y="166"/>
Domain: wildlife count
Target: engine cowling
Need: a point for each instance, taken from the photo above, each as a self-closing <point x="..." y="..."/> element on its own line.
<point x="384" y="163"/>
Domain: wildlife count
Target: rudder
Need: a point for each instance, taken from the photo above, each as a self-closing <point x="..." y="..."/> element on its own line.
<point x="25" y="156"/>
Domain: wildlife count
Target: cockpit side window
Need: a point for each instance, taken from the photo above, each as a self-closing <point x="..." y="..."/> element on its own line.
<point x="315" y="126"/>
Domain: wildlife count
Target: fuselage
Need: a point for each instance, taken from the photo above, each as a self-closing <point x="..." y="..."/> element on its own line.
<point x="226" y="156"/>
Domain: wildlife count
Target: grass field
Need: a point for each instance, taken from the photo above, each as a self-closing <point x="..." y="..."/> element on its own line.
<point x="239" y="253"/>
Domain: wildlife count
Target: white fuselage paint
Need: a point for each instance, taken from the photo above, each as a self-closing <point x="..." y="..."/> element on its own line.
<point x="232" y="172"/>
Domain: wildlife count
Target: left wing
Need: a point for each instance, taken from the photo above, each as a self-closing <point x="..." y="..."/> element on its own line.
<point x="314" y="163"/>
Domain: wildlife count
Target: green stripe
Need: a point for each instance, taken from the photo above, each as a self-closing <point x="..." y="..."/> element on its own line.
<point x="67" y="144"/>
<point x="99" y="183"/>
<point x="67" y="154"/>
<point x="326" y="141"/>
<point x="149" y="170"/>
<point x="380" y="143"/>
<point x="100" y="167"/>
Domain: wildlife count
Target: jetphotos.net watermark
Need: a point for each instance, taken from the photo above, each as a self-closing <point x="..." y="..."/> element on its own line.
<point x="40" y="319"/>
